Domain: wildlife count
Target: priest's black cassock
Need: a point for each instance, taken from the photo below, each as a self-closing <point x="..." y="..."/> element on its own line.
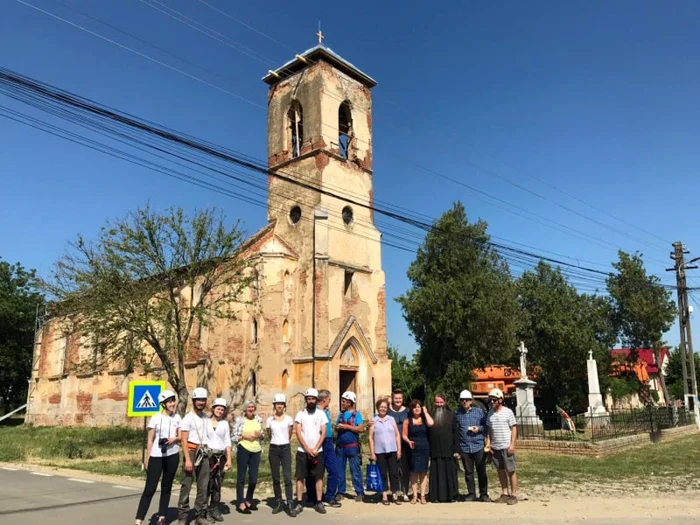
<point x="444" y="483"/>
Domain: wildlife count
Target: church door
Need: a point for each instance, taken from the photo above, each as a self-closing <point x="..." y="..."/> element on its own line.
<point x="347" y="381"/>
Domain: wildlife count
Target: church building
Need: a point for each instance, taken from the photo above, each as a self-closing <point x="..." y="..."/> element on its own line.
<point x="318" y="312"/>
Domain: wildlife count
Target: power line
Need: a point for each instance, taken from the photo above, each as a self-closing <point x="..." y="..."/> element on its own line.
<point x="548" y="222"/>
<point x="17" y="85"/>
<point x="461" y="139"/>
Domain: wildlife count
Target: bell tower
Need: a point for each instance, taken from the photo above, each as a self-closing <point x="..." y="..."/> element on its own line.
<point x="320" y="197"/>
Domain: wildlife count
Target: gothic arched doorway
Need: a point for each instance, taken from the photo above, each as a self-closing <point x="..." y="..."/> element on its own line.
<point x="348" y="367"/>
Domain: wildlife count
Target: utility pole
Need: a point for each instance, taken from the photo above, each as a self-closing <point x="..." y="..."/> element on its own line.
<point x="690" y="387"/>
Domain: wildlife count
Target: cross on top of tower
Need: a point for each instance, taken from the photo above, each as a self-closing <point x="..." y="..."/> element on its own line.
<point x="320" y="35"/>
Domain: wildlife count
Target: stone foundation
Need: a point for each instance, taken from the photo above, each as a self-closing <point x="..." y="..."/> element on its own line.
<point x="601" y="448"/>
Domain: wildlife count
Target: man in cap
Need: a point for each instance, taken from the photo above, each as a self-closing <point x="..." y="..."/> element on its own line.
<point x="330" y="460"/>
<point x="311" y="431"/>
<point x="349" y="426"/>
<point x="471" y="425"/>
<point x="502" y="432"/>
<point x="193" y="435"/>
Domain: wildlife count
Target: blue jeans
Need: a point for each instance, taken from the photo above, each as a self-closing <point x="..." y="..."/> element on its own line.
<point x="330" y="463"/>
<point x="351" y="455"/>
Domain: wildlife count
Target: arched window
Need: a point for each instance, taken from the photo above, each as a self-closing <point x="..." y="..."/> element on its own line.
<point x="254" y="382"/>
<point x="285" y="331"/>
<point x="254" y="334"/>
<point x="296" y="127"/>
<point x="285" y="379"/>
<point x="344" y="129"/>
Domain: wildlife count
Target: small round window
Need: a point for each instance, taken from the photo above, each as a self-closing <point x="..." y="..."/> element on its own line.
<point x="348" y="216"/>
<point x="295" y="214"/>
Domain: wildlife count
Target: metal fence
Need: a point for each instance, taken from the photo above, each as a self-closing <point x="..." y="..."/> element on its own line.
<point x="617" y="423"/>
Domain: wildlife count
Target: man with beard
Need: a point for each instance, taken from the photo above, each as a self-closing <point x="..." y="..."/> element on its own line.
<point x="193" y="436"/>
<point x="443" y="451"/>
<point x="400" y="413"/>
<point x="311" y="432"/>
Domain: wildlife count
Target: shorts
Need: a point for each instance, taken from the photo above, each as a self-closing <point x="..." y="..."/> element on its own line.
<point x="502" y="461"/>
<point x="308" y="466"/>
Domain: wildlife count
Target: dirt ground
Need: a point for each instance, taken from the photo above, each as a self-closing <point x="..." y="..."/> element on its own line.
<point x="564" y="503"/>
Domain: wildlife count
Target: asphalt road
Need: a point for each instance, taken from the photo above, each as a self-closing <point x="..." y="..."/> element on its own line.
<point x="31" y="497"/>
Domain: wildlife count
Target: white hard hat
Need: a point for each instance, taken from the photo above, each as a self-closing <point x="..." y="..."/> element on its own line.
<point x="350" y="396"/>
<point x="219" y="402"/>
<point x="465" y="394"/>
<point x="311" y="392"/>
<point x="496" y="392"/>
<point x="200" y="393"/>
<point x="280" y="398"/>
<point x="165" y="395"/>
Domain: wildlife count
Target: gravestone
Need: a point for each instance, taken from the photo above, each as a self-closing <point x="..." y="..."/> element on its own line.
<point x="529" y="424"/>
<point x="596" y="414"/>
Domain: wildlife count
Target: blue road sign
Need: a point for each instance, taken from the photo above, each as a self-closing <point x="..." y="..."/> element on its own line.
<point x="143" y="398"/>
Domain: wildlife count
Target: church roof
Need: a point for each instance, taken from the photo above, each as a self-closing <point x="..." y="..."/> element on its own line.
<point x="310" y="56"/>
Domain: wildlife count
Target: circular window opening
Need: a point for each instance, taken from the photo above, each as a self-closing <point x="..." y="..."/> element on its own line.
<point x="348" y="216"/>
<point x="295" y="214"/>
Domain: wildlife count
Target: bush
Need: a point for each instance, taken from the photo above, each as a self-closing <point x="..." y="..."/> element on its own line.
<point x="654" y="395"/>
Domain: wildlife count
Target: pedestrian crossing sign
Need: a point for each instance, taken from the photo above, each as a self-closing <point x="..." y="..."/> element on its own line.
<point x="143" y="398"/>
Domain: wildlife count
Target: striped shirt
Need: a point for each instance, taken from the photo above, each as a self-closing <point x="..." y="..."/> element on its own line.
<point x="499" y="424"/>
<point x="471" y="442"/>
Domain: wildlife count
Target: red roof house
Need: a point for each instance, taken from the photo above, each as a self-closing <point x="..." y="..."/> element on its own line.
<point x="645" y="354"/>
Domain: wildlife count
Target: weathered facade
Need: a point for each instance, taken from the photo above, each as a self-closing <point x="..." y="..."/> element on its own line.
<point x="319" y="259"/>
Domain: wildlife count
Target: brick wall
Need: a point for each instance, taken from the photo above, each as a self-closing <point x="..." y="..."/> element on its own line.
<point x="601" y="448"/>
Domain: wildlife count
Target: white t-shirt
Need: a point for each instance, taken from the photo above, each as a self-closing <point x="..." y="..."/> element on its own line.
<point x="164" y="427"/>
<point x="279" y="429"/>
<point x="218" y="438"/>
<point x="311" y="425"/>
<point x="197" y="428"/>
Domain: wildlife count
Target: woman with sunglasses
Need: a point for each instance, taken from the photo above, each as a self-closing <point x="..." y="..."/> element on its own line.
<point x="162" y="458"/>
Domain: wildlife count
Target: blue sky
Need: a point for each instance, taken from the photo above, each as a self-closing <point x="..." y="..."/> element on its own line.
<point x="550" y="107"/>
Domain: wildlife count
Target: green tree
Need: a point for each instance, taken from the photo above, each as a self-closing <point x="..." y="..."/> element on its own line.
<point x="19" y="301"/>
<point x="136" y="293"/>
<point x="560" y="328"/>
<point x="643" y="309"/>
<point x="462" y="306"/>
<point x="406" y="374"/>
<point x="674" y="373"/>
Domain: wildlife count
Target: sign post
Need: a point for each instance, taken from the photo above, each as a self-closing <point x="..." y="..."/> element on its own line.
<point x="143" y="402"/>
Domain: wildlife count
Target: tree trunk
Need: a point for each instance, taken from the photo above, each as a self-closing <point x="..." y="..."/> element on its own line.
<point x="662" y="379"/>
<point x="183" y="397"/>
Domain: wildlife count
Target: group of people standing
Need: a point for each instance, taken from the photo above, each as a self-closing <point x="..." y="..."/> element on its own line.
<point x="410" y="446"/>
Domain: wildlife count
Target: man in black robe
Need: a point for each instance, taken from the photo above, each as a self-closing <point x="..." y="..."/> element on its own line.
<point x="444" y="447"/>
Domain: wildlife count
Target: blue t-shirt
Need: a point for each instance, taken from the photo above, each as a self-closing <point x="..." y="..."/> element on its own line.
<point x="329" y="428"/>
<point x="347" y="437"/>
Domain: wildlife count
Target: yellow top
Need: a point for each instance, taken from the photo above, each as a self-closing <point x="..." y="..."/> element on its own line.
<point x="249" y="427"/>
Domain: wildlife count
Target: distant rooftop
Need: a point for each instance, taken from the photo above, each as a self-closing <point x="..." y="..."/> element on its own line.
<point x="310" y="56"/>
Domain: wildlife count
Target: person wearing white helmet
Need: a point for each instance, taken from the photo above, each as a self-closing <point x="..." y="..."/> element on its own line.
<point x="310" y="430"/>
<point x="349" y="425"/>
<point x="471" y="424"/>
<point x="279" y="431"/>
<point x="163" y="457"/>
<point x="502" y="433"/>
<point x="219" y="441"/>
<point x="196" y="452"/>
<point x="248" y="434"/>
